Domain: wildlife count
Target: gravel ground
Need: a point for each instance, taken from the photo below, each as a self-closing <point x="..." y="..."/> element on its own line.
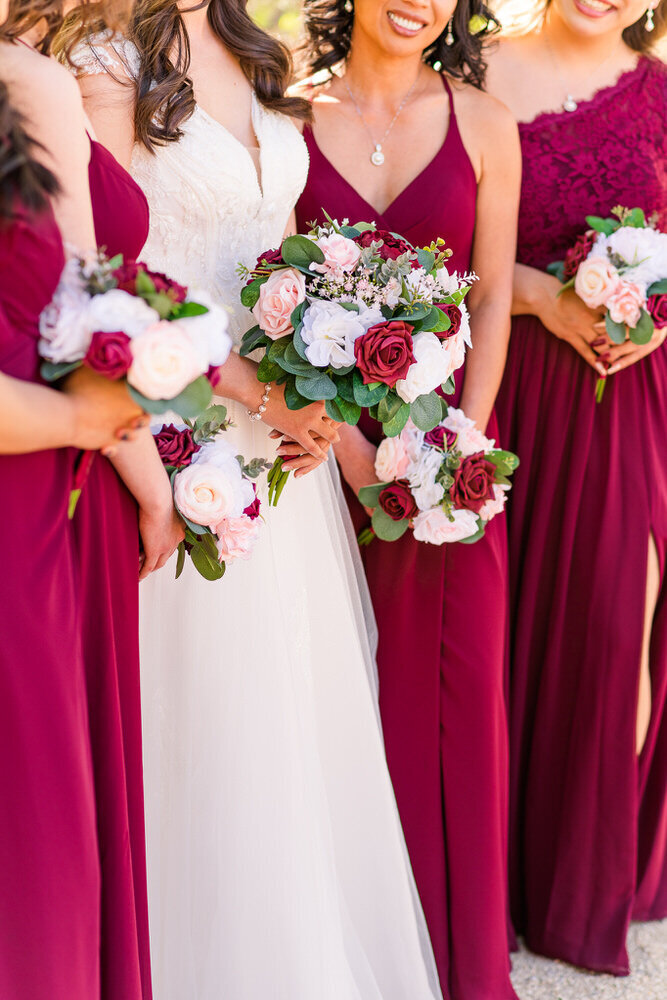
<point x="538" y="978"/>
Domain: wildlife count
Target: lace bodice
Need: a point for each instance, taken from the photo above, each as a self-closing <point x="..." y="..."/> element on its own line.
<point x="209" y="208"/>
<point x="611" y="151"/>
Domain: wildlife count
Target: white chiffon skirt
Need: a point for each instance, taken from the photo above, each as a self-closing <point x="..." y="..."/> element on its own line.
<point x="276" y="861"/>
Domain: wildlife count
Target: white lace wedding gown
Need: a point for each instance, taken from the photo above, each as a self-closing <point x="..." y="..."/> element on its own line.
<point x="277" y="865"/>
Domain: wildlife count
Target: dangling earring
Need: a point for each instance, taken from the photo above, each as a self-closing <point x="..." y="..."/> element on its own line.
<point x="348" y="6"/>
<point x="650" y="24"/>
<point x="449" y="37"/>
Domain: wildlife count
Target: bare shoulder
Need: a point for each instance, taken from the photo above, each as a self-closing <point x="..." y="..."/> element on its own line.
<point x="478" y="110"/>
<point x="46" y="94"/>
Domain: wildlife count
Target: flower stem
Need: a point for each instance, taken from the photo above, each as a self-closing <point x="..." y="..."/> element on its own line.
<point x="599" y="389"/>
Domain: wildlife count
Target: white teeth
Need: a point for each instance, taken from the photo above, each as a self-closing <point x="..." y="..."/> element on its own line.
<point x="403" y="22"/>
<point x="596" y="5"/>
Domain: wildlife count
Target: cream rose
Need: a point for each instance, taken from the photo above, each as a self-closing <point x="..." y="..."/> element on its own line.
<point x="430" y="369"/>
<point x="205" y="494"/>
<point x="596" y="280"/>
<point x="340" y="254"/>
<point x="435" y="527"/>
<point x="391" y="460"/>
<point x="164" y="361"/>
<point x="279" y="296"/>
<point x="625" y="305"/>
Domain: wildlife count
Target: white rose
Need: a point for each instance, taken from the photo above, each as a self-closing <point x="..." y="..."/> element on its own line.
<point x="205" y="494"/>
<point x="391" y="460"/>
<point x="118" y="310"/>
<point x="368" y="316"/>
<point x="208" y="331"/>
<point x="470" y="439"/>
<point x="428" y="495"/>
<point x="435" y="527"/>
<point x="430" y="369"/>
<point x="330" y="332"/>
<point x="164" y="361"/>
<point x="65" y="334"/>
<point x="222" y="454"/>
<point x="421" y="476"/>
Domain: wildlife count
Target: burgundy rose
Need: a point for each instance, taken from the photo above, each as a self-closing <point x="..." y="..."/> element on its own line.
<point x="441" y="437"/>
<point x="213" y="375"/>
<point x="656" y="306"/>
<point x="175" y="447"/>
<point x="397" y="501"/>
<point x="270" y="257"/>
<point x="454" y="313"/>
<point x="473" y="482"/>
<point x="578" y="253"/>
<point x="252" y="510"/>
<point x="126" y="277"/>
<point x="384" y="352"/>
<point x="109" y="354"/>
<point x="392" y="246"/>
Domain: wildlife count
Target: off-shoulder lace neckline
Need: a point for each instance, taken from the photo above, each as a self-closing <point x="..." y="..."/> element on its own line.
<point x="591" y="103"/>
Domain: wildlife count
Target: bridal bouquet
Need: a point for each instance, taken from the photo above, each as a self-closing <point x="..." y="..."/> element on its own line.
<point x="446" y="484"/>
<point x="620" y="264"/>
<point x="124" y="321"/>
<point x="213" y="492"/>
<point x="359" y="318"/>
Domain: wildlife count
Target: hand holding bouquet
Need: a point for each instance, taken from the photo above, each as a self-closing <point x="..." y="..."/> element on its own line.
<point x="213" y="493"/>
<point x="126" y="322"/>
<point x="359" y="318"/>
<point x="446" y="484"/>
<point x="620" y="265"/>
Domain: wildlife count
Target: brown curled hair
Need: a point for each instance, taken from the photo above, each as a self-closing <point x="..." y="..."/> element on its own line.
<point x="24" y="15"/>
<point x="165" y="97"/>
<point x="329" y="32"/>
<point x="23" y="179"/>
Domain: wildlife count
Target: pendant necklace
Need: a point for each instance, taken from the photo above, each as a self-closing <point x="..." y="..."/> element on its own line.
<point x="570" y="103"/>
<point x="377" y="156"/>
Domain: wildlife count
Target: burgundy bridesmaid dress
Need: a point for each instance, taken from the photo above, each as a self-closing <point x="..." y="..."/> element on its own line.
<point x="441" y="613"/>
<point x="107" y="538"/>
<point x="49" y="866"/>
<point x="588" y="820"/>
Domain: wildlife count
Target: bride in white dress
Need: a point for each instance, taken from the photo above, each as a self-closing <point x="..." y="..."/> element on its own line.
<point x="277" y="866"/>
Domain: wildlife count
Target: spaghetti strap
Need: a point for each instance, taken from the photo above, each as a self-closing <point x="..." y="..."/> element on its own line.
<point x="450" y="96"/>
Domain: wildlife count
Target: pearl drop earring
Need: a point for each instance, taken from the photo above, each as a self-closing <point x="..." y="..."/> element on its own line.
<point x="650" y="23"/>
<point x="449" y="37"/>
<point x="348" y="7"/>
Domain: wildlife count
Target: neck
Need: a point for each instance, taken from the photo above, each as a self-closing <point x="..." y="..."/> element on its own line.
<point x="380" y="78"/>
<point x="196" y="21"/>
<point x="573" y="48"/>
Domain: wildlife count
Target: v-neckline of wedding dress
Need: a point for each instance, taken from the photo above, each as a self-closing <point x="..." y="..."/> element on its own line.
<point x="257" y="171"/>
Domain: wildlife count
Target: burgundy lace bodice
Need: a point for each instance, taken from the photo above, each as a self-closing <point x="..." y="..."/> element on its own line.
<point x="611" y="151"/>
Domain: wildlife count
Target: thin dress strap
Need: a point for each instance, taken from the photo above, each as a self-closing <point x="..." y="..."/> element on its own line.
<point x="452" y="113"/>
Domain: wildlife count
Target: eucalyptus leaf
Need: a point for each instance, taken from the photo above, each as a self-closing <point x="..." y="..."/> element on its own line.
<point x="349" y="411"/>
<point x="346" y="387"/>
<point x="196" y="529"/>
<point x="300" y="252"/>
<point x="268" y="371"/>
<point x="437" y="321"/>
<point x="250" y="293"/>
<point x="350" y="231"/>
<point x="254" y="338"/>
<point x="476" y="537"/>
<point x="319" y="388"/>
<point x="386" y="528"/>
<point x="370" y="495"/>
<point x="188" y="404"/>
<point x="367" y="395"/>
<point x="278" y="348"/>
<point x="426" y="259"/>
<point x="642" y="333"/>
<point x="557" y="268"/>
<point x="389" y="407"/>
<point x="616" y="331"/>
<point x="52" y="371"/>
<point x="333" y="411"/>
<point x="410" y="314"/>
<point x="658" y="287"/>
<point x="296" y="365"/>
<point x="448" y="388"/>
<point x="293" y="399"/>
<point x="394" y="426"/>
<point x="426" y="411"/>
<point x="300" y="345"/>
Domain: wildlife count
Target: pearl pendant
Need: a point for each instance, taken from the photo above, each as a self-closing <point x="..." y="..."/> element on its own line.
<point x="377" y="156"/>
<point x="569" y="104"/>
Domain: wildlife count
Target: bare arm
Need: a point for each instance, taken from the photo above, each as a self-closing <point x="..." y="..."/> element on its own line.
<point x="494" y="252"/>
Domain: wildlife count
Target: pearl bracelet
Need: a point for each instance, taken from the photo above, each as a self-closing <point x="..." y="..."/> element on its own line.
<point x="257" y="414"/>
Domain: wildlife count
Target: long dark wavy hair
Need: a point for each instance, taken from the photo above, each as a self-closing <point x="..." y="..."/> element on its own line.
<point x="23" y="179"/>
<point x="24" y="15"/>
<point x="165" y="98"/>
<point x="329" y="32"/>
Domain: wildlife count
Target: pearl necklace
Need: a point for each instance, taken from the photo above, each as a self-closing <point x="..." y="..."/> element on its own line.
<point x="569" y="103"/>
<point x="377" y="156"/>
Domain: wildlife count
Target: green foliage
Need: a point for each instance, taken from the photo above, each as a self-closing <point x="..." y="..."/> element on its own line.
<point x="616" y="331"/>
<point x="386" y="528"/>
<point x="188" y="404"/>
<point x="642" y="333"/>
<point x="426" y="411"/>
<point x="52" y="371"/>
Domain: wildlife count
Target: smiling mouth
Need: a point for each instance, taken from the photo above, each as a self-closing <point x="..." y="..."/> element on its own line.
<point x="406" y="23"/>
<point x="597" y="6"/>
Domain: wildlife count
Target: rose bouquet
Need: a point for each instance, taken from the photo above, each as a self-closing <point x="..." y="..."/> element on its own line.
<point x="214" y="492"/>
<point x="360" y="319"/>
<point x="124" y="321"/>
<point x="446" y="484"/>
<point x="620" y="264"/>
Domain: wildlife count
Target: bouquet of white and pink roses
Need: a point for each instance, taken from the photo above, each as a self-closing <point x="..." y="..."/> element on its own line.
<point x="124" y="321"/>
<point x="446" y="484"/>
<point x="359" y="318"/>
<point x="213" y="492"/>
<point x="620" y="264"/>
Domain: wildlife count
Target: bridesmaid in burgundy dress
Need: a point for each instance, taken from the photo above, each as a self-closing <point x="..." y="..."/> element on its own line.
<point x="588" y="511"/>
<point x="441" y="611"/>
<point x="49" y="854"/>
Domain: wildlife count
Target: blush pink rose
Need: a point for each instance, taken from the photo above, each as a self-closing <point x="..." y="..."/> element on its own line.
<point x="392" y="460"/>
<point x="164" y="361"/>
<point x="625" y="305"/>
<point x="435" y="527"/>
<point x="237" y="537"/>
<point x="204" y="493"/>
<point x="596" y="281"/>
<point x="340" y="254"/>
<point x="279" y="296"/>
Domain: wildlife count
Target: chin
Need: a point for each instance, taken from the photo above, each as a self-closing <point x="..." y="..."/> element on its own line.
<point x="587" y="24"/>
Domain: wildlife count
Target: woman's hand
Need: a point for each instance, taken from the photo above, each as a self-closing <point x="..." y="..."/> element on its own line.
<point x="623" y="355"/>
<point x="161" y="531"/>
<point x="104" y="412"/>
<point x="567" y="317"/>
<point x="305" y="427"/>
<point x="356" y="457"/>
<point x="294" y="458"/>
